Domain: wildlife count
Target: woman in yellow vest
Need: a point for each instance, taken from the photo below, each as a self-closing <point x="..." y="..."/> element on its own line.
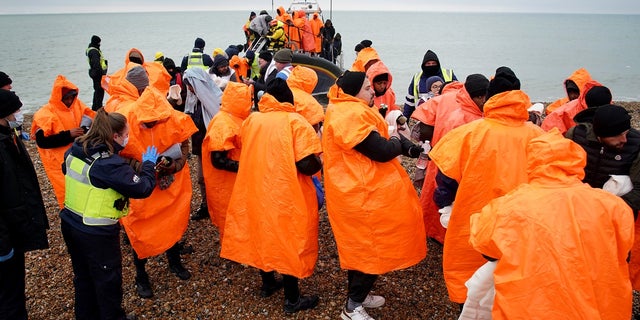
<point x="99" y="184"/>
<point x="55" y="126"/>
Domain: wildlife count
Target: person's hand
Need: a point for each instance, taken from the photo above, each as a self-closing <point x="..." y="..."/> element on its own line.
<point x="165" y="165"/>
<point x="76" y="132"/>
<point x="409" y="149"/>
<point x="151" y="154"/>
<point x="445" y="214"/>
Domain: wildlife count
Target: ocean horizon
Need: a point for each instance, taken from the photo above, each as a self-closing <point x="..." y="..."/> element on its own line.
<point x="543" y="49"/>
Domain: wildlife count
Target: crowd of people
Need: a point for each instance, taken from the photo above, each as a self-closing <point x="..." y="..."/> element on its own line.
<point x="544" y="200"/>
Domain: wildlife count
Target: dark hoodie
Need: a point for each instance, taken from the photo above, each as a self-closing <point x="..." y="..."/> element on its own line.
<point x="430" y="70"/>
<point x="219" y="61"/>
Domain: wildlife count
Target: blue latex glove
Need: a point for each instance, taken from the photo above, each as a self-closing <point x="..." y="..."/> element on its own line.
<point x="7" y="256"/>
<point x="150" y="155"/>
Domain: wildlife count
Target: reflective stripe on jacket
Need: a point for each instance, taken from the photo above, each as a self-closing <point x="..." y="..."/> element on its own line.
<point x="96" y="206"/>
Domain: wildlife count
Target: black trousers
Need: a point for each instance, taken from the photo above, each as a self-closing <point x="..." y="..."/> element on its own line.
<point x="12" y="297"/>
<point x="360" y="284"/>
<point x="98" y="94"/>
<point x="97" y="269"/>
<point x="289" y="284"/>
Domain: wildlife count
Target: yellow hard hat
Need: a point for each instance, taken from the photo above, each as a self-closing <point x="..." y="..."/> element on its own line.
<point x="159" y="55"/>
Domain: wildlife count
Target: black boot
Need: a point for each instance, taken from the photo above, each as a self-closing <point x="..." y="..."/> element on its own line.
<point x="175" y="265"/>
<point x="202" y="213"/>
<point x="143" y="286"/>
<point x="303" y="303"/>
<point x="269" y="284"/>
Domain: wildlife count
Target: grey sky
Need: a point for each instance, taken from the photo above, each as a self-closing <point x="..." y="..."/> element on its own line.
<point x="545" y="6"/>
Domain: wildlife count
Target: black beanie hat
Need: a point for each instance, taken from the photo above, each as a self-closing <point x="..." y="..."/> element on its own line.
<point x="265" y="55"/>
<point x="199" y="43"/>
<point x="363" y="44"/>
<point x="611" y="120"/>
<point x="504" y="80"/>
<point x="95" y="39"/>
<point x="9" y="103"/>
<point x="4" y="79"/>
<point x="351" y="82"/>
<point x="597" y="96"/>
<point x="279" y="89"/>
<point x="476" y="85"/>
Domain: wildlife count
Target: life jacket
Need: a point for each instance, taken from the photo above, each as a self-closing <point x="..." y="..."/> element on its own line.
<point x="103" y="62"/>
<point x="96" y="206"/>
<point x="195" y="60"/>
<point x="277" y="37"/>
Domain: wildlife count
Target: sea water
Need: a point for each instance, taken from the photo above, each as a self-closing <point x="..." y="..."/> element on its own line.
<point x="542" y="49"/>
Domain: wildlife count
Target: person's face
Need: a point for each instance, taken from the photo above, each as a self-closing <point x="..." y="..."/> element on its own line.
<point x="572" y="95"/>
<point x="380" y="86"/>
<point x="435" y="87"/>
<point x="366" y="92"/>
<point x="430" y="63"/>
<point x="479" y="101"/>
<point x="120" y="137"/>
<point x="7" y="87"/>
<point x="223" y="69"/>
<point x="12" y="117"/>
<point x="280" y="65"/>
<point x="68" y="100"/>
<point x="262" y="62"/>
<point x="615" y="142"/>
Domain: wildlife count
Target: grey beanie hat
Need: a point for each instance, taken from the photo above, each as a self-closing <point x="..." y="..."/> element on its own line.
<point x="138" y="77"/>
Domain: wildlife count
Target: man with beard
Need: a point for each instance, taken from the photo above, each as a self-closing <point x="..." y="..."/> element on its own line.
<point x="430" y="67"/>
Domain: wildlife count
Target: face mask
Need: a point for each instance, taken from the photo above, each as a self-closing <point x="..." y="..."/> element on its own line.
<point x="125" y="141"/>
<point x="18" y="122"/>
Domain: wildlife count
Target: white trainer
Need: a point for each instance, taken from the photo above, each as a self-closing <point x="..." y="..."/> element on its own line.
<point x="372" y="301"/>
<point x="357" y="314"/>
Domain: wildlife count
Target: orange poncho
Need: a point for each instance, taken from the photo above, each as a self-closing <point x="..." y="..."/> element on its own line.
<point x="373" y="208"/>
<point x="487" y="158"/>
<point x="272" y="219"/>
<point x="159" y="78"/>
<point x="562" y="118"/>
<point x="240" y="66"/>
<point x="302" y="81"/>
<point x="223" y="135"/>
<point x="389" y="97"/>
<point x="53" y="118"/>
<point x="316" y="26"/>
<point x="561" y="245"/>
<point x="364" y="57"/>
<point x="156" y="223"/>
<point x="122" y="93"/>
<point x="580" y="77"/>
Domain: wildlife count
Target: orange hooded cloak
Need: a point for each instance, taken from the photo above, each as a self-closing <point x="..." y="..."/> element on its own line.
<point x="53" y="118"/>
<point x="223" y="135"/>
<point x="365" y="58"/>
<point x="159" y="78"/>
<point x="487" y="158"/>
<point x="156" y="223"/>
<point x="272" y="218"/>
<point x="373" y="208"/>
<point x="389" y="97"/>
<point x="562" y="118"/>
<point x="580" y="77"/>
<point x="123" y="93"/>
<point x="302" y="81"/>
<point x="316" y="26"/>
<point x="561" y="245"/>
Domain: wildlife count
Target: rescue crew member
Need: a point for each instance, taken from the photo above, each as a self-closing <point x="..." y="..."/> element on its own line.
<point x="99" y="184"/>
<point x="277" y="37"/>
<point x="430" y="67"/>
<point x="197" y="57"/>
<point x="97" y="68"/>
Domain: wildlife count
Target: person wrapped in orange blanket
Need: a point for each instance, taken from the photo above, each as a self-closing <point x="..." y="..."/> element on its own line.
<point x="272" y="218"/>
<point x="56" y="125"/>
<point x="561" y="246"/>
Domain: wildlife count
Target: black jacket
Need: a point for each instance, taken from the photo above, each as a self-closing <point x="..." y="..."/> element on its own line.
<point x="23" y="219"/>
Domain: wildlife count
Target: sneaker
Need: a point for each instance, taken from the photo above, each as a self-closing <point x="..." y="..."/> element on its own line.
<point x="267" y="291"/>
<point x="202" y="213"/>
<point x="303" y="303"/>
<point x="357" y="314"/>
<point x="143" y="288"/>
<point x="372" y="301"/>
<point x="179" y="270"/>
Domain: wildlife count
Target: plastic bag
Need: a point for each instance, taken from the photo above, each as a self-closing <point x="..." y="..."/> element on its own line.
<point x="618" y="185"/>
<point x="480" y="294"/>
